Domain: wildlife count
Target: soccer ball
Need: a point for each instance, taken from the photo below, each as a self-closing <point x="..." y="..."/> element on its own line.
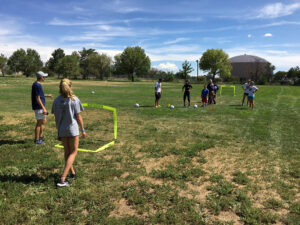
<point x="93" y="92"/>
<point x="195" y="106"/>
<point x="172" y="106"/>
<point x="137" y="105"/>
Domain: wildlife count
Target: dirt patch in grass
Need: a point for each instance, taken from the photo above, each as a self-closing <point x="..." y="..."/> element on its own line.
<point x="16" y="118"/>
<point x="122" y="209"/>
<point x="227" y="216"/>
<point x="151" y="180"/>
<point x="219" y="161"/>
<point x="198" y="192"/>
<point x="157" y="163"/>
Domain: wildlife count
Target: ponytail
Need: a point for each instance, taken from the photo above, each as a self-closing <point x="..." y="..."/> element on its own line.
<point x="65" y="89"/>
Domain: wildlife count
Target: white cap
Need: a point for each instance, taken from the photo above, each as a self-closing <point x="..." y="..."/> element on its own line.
<point x="41" y="74"/>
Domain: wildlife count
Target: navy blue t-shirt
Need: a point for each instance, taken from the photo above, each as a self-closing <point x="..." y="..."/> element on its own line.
<point x="37" y="90"/>
<point x="204" y="92"/>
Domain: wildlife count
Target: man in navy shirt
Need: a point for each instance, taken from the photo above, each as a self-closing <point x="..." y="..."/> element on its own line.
<point x="39" y="107"/>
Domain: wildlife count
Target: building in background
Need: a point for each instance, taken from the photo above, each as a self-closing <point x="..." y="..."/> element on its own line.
<point x="248" y="66"/>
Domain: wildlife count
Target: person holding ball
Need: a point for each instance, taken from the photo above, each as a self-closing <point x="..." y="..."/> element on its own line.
<point x="66" y="109"/>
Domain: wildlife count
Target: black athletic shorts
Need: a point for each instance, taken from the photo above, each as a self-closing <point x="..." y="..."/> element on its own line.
<point x="246" y="94"/>
<point x="157" y="95"/>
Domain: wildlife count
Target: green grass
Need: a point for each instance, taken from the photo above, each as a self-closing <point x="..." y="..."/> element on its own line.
<point x="180" y="166"/>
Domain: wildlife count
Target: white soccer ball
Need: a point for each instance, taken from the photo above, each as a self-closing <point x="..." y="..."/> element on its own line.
<point x="195" y="106"/>
<point x="172" y="106"/>
<point x="93" y="92"/>
<point x="137" y="105"/>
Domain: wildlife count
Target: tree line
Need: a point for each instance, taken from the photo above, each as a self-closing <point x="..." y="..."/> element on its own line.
<point x="132" y="62"/>
<point x="88" y="63"/>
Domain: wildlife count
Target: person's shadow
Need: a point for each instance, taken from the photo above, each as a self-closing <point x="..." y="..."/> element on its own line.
<point x="27" y="179"/>
<point x="11" y="142"/>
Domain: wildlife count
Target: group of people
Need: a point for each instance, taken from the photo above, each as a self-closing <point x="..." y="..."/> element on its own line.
<point x="208" y="93"/>
<point x="66" y="109"/>
<point x="249" y="92"/>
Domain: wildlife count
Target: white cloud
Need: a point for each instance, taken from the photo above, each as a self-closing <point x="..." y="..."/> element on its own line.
<point x="167" y="67"/>
<point x="268" y="35"/>
<point x="176" y="41"/>
<point x="249" y="36"/>
<point x="278" y="10"/>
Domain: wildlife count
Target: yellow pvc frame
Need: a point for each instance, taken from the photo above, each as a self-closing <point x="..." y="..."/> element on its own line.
<point x="114" y="110"/>
<point x="232" y="86"/>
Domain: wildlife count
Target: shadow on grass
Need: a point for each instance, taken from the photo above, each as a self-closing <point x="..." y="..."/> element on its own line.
<point x="27" y="179"/>
<point x="11" y="142"/>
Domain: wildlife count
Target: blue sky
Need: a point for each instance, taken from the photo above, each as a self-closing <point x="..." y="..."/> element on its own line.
<point x="169" y="31"/>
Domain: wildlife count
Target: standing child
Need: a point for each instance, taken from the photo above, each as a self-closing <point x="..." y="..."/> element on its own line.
<point x="158" y="91"/>
<point x="66" y="109"/>
<point x="246" y="91"/>
<point x="251" y="94"/>
<point x="204" y="96"/>
<point x="187" y="89"/>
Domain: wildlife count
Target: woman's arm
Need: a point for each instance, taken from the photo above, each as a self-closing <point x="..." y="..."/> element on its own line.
<point x="80" y="122"/>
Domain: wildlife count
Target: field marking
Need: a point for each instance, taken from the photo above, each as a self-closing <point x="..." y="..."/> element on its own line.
<point x="114" y="110"/>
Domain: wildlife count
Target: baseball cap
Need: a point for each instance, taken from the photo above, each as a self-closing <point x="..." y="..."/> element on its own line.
<point x="41" y="74"/>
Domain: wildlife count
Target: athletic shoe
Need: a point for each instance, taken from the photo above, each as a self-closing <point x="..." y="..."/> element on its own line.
<point x="39" y="142"/>
<point x="66" y="183"/>
<point x="41" y="138"/>
<point x="71" y="176"/>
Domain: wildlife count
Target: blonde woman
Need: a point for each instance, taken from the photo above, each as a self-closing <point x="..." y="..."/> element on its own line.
<point x="66" y="109"/>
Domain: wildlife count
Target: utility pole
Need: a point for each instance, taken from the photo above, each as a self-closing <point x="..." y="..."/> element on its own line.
<point x="197" y="61"/>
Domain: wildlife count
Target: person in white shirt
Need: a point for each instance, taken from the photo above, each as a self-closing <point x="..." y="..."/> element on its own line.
<point x="246" y="91"/>
<point x="251" y="94"/>
<point x="158" y="92"/>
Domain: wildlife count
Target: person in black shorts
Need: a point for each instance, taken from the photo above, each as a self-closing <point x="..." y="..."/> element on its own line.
<point x="158" y="91"/>
<point x="187" y="88"/>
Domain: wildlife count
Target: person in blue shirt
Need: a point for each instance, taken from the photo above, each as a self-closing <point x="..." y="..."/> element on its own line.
<point x="39" y="107"/>
<point x="204" y="96"/>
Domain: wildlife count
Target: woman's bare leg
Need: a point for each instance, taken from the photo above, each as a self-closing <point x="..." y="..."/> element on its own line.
<point x="71" y="146"/>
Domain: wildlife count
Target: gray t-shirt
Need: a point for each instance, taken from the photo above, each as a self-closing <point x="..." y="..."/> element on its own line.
<point x="65" y="110"/>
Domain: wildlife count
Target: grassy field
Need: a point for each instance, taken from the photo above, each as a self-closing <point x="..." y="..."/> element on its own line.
<point x="230" y="165"/>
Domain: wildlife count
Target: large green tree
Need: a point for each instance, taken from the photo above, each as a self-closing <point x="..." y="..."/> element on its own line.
<point x="52" y="63"/>
<point x="3" y="64"/>
<point x="216" y="62"/>
<point x="133" y="61"/>
<point x="27" y="62"/>
<point x="294" y="74"/>
<point x="84" y="54"/>
<point x="68" y="66"/>
<point x="99" y="65"/>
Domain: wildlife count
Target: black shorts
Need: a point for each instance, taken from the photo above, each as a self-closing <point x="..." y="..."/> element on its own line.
<point x="246" y="94"/>
<point x="157" y="95"/>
